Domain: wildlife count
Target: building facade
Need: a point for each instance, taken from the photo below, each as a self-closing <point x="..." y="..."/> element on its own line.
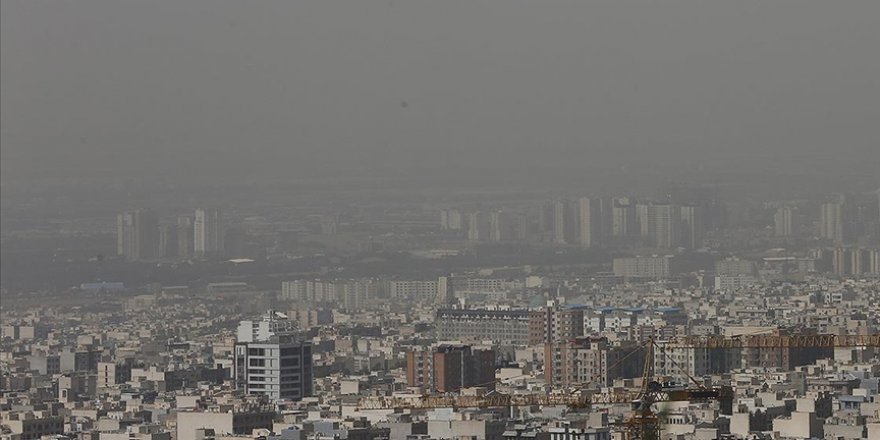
<point x="137" y="235"/>
<point x="272" y="360"/>
<point x="207" y="233"/>
<point x="448" y="368"/>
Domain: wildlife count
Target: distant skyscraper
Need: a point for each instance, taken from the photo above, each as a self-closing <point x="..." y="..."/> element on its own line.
<point x="559" y="208"/>
<point x="589" y="222"/>
<point x="137" y="235"/>
<point x="208" y="234"/>
<point x="445" y="291"/>
<point x="663" y="225"/>
<point x="477" y="226"/>
<point x="692" y="226"/>
<point x="782" y="221"/>
<point x="831" y="222"/>
<point x="545" y="222"/>
<point x="644" y="226"/>
<point x="522" y="230"/>
<point x="450" y="219"/>
<point x="185" y="239"/>
<point x="496" y="226"/>
<point x="565" y="222"/>
<point x="168" y="241"/>
<point x="623" y="218"/>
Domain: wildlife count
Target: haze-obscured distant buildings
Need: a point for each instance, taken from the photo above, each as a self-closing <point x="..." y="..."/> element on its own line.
<point x="207" y="233"/>
<point x="137" y="235"/>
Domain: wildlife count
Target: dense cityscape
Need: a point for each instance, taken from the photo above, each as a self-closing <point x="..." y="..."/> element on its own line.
<point x="521" y="317"/>
<point x="439" y="220"/>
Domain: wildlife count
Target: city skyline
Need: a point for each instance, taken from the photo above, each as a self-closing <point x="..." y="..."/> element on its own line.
<point x="439" y="220"/>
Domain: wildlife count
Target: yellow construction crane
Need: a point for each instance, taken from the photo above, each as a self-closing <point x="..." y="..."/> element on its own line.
<point x="643" y="423"/>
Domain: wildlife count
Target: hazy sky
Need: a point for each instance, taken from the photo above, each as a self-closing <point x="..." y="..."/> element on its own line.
<point x="94" y="87"/>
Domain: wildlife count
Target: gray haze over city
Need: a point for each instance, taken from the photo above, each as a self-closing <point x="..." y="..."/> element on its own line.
<point x="431" y="220"/>
<point x="155" y="89"/>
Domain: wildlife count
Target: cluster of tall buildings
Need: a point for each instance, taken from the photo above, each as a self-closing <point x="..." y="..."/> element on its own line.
<point x="585" y="222"/>
<point x="839" y="221"/>
<point x="141" y="237"/>
<point x="783" y="222"/>
<point x="853" y="261"/>
<point x="843" y="221"/>
<point x="667" y="223"/>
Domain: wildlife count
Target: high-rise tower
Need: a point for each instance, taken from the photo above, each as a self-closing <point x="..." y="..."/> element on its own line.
<point x="589" y="223"/>
<point x="782" y="222"/>
<point x="663" y="225"/>
<point x="207" y="233"/>
<point x="692" y="226"/>
<point x="831" y="222"/>
<point x="137" y="234"/>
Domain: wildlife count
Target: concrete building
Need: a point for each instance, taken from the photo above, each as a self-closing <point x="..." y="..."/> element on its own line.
<point x="32" y="425"/>
<point x="207" y="233"/>
<point x="477" y="226"/>
<point x="693" y="228"/>
<point x="583" y="361"/>
<point x="799" y="425"/>
<point x="466" y="429"/>
<point x="664" y="225"/>
<point x="496" y="226"/>
<point x="569" y="432"/>
<point x="653" y="267"/>
<point x="272" y="360"/>
<point x="561" y="323"/>
<point x="137" y="235"/>
<point x="450" y="219"/>
<point x="589" y="222"/>
<point x="185" y="237"/>
<point x="414" y="290"/>
<point x="623" y="219"/>
<point x="831" y="222"/>
<point x="349" y="295"/>
<point x="855" y="261"/>
<point x="733" y="266"/>
<point x="420" y="369"/>
<point x="201" y="425"/>
<point x="167" y="247"/>
<point x="113" y="373"/>
<point x="445" y="290"/>
<point x="732" y="283"/>
<point x="783" y="223"/>
<point x="450" y="368"/>
<point x="506" y="327"/>
<point x="644" y="228"/>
